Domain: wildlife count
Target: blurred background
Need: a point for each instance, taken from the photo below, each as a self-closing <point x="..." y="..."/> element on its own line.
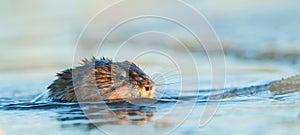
<point x="38" y="38"/>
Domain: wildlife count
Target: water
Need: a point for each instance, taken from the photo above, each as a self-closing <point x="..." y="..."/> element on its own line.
<point x="260" y="44"/>
<point x="250" y="110"/>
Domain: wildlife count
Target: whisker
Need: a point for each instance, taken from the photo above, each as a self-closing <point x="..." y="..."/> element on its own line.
<point x="167" y="81"/>
<point x="162" y="74"/>
<point x="166" y="75"/>
<point x="173" y="77"/>
<point x="162" y="91"/>
<point x="169" y="72"/>
<point x="168" y="78"/>
<point x="167" y="84"/>
<point x="172" y="70"/>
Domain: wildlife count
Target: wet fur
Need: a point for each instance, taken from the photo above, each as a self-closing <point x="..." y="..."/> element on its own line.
<point x="101" y="79"/>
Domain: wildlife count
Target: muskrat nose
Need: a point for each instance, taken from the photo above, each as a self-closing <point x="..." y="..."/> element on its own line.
<point x="147" y="88"/>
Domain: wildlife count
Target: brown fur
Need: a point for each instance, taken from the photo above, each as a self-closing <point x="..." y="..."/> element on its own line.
<point x="101" y="79"/>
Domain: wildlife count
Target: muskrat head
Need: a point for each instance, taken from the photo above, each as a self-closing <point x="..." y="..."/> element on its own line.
<point x="113" y="80"/>
<point x="121" y="80"/>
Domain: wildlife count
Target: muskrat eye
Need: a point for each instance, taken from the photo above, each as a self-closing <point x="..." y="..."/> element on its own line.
<point x="147" y="88"/>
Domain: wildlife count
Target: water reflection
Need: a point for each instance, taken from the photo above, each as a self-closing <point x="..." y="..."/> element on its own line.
<point x="119" y="112"/>
<point x="95" y="114"/>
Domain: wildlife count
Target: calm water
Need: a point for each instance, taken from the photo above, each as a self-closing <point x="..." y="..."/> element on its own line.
<point x="258" y="112"/>
<point x="260" y="44"/>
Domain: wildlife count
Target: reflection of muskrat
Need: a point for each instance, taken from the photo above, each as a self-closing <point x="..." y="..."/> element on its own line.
<point x="101" y="79"/>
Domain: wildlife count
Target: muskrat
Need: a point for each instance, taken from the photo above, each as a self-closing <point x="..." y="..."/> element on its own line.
<point x="101" y="79"/>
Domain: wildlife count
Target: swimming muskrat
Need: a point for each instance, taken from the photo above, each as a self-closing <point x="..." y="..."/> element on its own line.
<point x="101" y="79"/>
